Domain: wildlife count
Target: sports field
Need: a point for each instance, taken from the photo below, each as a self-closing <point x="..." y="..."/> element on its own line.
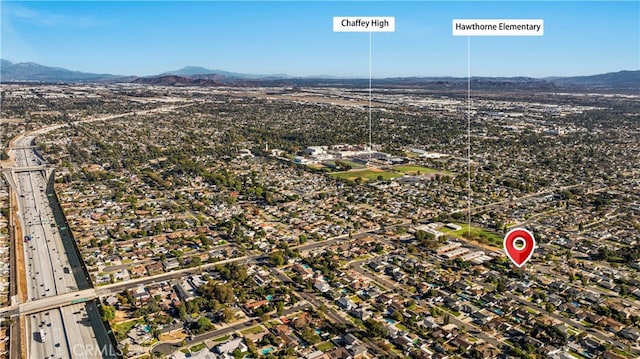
<point x="373" y="174"/>
<point x="477" y="234"/>
<point x="415" y="170"/>
<point x="367" y="175"/>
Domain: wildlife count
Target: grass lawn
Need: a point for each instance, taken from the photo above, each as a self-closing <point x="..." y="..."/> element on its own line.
<point x="329" y="164"/>
<point x="360" y="258"/>
<point x="324" y="346"/>
<point x="125" y="327"/>
<point x="198" y="347"/>
<point x="254" y="330"/>
<point x="572" y="332"/>
<point x="316" y="166"/>
<point x="575" y="354"/>
<point x="622" y="352"/>
<point x="414" y="169"/>
<point x="354" y="165"/>
<point x="447" y="310"/>
<point x="272" y="323"/>
<point x="366" y="175"/>
<point x="372" y="174"/>
<point x="222" y="339"/>
<point x="478" y="234"/>
<point x="531" y="311"/>
<point x="150" y="343"/>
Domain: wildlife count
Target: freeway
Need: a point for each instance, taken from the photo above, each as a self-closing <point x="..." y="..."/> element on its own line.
<point x="51" y="264"/>
<point x="44" y="266"/>
<point x="65" y="332"/>
<point x="50" y="268"/>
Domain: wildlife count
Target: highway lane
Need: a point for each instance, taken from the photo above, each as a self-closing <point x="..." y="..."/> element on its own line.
<point x="47" y="337"/>
<point x="66" y="333"/>
<point x="79" y="321"/>
<point x="45" y="262"/>
<point x="48" y="273"/>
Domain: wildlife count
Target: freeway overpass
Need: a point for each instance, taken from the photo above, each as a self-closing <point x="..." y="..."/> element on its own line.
<point x="44" y="304"/>
<point x="26" y="169"/>
<point x="67" y="299"/>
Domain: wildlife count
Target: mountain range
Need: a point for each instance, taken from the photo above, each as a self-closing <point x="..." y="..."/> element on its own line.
<point x="200" y="76"/>
<point x="32" y="72"/>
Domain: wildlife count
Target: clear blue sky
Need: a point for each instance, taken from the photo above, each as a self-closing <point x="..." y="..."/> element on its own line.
<point x="296" y="37"/>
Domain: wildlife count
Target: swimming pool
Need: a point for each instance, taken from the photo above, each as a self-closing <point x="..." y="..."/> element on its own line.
<point x="266" y="351"/>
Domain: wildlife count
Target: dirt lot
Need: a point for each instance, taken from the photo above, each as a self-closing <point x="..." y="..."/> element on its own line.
<point x="173" y="336"/>
<point x="121" y="316"/>
<point x="22" y="284"/>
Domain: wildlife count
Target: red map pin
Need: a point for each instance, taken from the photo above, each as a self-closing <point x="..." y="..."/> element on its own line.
<point x="519" y="245"/>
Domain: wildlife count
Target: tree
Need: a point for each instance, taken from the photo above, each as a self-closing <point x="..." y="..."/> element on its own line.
<point x="277" y="258"/>
<point x="107" y="313"/>
<point x="182" y="310"/>
<point x="125" y="349"/>
<point x="204" y="324"/>
<point x="550" y="308"/>
<point x="8" y="322"/>
<point x="375" y="329"/>
<point x="195" y="261"/>
<point x="237" y="353"/>
<point x="228" y="315"/>
<point x="396" y="315"/>
<point x="223" y="293"/>
<point x="310" y="336"/>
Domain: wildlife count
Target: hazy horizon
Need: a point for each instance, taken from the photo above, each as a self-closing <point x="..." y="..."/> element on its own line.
<point x="296" y="38"/>
<point x="316" y="76"/>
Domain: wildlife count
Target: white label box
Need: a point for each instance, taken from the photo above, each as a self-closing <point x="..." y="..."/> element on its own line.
<point x="364" y="24"/>
<point x="498" y="27"/>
